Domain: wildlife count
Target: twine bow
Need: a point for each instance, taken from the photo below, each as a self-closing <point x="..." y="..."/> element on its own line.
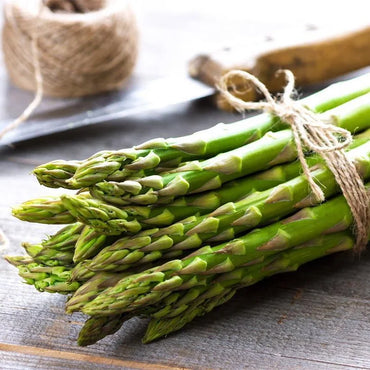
<point x="312" y="131"/>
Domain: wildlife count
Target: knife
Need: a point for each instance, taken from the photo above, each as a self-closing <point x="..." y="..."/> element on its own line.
<point x="56" y="115"/>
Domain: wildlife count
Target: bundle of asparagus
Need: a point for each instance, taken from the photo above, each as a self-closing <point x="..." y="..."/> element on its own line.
<point x="172" y="228"/>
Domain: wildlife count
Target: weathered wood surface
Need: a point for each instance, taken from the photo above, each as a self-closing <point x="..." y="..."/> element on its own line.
<point x="317" y="318"/>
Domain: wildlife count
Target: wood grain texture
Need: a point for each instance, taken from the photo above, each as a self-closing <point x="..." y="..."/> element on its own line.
<point x="102" y="362"/>
<point x="317" y="318"/>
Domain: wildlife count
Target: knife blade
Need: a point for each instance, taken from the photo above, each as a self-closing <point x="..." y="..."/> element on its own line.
<point x="56" y="115"/>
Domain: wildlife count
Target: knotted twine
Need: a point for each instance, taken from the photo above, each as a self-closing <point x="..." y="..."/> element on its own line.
<point x="311" y="130"/>
<point x="68" y="53"/>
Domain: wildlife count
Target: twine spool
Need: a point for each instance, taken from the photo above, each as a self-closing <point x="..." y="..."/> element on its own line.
<point x="84" y="47"/>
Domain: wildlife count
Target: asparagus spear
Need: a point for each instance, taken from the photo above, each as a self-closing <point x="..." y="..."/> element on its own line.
<point x="117" y="165"/>
<point x="109" y="219"/>
<point x="57" y="249"/>
<point x="74" y="242"/>
<point x="65" y="238"/>
<point x="202" y="176"/>
<point x="70" y="245"/>
<point x="98" y="327"/>
<point x="105" y="217"/>
<point x="198" y="176"/>
<point x="44" y="278"/>
<point x="47" y="210"/>
<point x="55" y="174"/>
<point x="84" y="273"/>
<point x="147" y="288"/>
<point x="165" y="215"/>
<point x="89" y="243"/>
<point x="91" y="289"/>
<point x="180" y="308"/>
<point x="197" y="204"/>
<point x="285" y="261"/>
<point x="92" y="211"/>
<point x="225" y="222"/>
<point x="49" y="256"/>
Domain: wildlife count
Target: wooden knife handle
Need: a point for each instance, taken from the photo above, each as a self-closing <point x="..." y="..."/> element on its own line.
<point x="317" y="56"/>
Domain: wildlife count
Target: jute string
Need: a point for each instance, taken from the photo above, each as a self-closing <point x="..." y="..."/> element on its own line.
<point x="311" y="130"/>
<point x="68" y="53"/>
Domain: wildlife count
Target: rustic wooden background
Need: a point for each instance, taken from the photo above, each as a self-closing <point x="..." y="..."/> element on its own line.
<point x="316" y="318"/>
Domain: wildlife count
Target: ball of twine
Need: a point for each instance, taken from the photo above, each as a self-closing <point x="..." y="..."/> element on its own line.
<point x="81" y="47"/>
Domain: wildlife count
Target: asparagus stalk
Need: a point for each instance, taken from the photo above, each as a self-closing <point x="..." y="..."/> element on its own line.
<point x="44" y="278"/>
<point x="47" y="276"/>
<point x="55" y="174"/>
<point x="98" y="327"/>
<point x="91" y="289"/>
<point x="105" y="217"/>
<point x="163" y="215"/>
<point x="289" y="260"/>
<point x="118" y="165"/>
<point x="49" y="256"/>
<point x="150" y="287"/>
<point x="47" y="210"/>
<point x="198" y="176"/>
<point x="69" y="245"/>
<point x="57" y="249"/>
<point x="185" y="206"/>
<point x="72" y="243"/>
<point x="89" y="243"/>
<point x="197" y="204"/>
<point x="180" y="308"/>
<point x="65" y="238"/>
<point x="109" y="219"/>
<point x="84" y="273"/>
<point x="225" y="222"/>
<point x="158" y="328"/>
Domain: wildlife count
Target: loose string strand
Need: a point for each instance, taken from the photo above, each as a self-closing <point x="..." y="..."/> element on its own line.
<point x="38" y="82"/>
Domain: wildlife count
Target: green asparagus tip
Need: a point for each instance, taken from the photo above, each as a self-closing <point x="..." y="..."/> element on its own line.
<point x="96" y="328"/>
<point x="56" y="173"/>
<point x="32" y="249"/>
<point x="18" y="260"/>
<point x="48" y="210"/>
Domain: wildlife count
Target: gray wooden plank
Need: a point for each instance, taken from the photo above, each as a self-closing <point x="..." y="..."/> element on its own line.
<point x="10" y="360"/>
<point x="265" y="320"/>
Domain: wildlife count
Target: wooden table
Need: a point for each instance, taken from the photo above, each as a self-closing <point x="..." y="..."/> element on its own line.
<point x="318" y="317"/>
